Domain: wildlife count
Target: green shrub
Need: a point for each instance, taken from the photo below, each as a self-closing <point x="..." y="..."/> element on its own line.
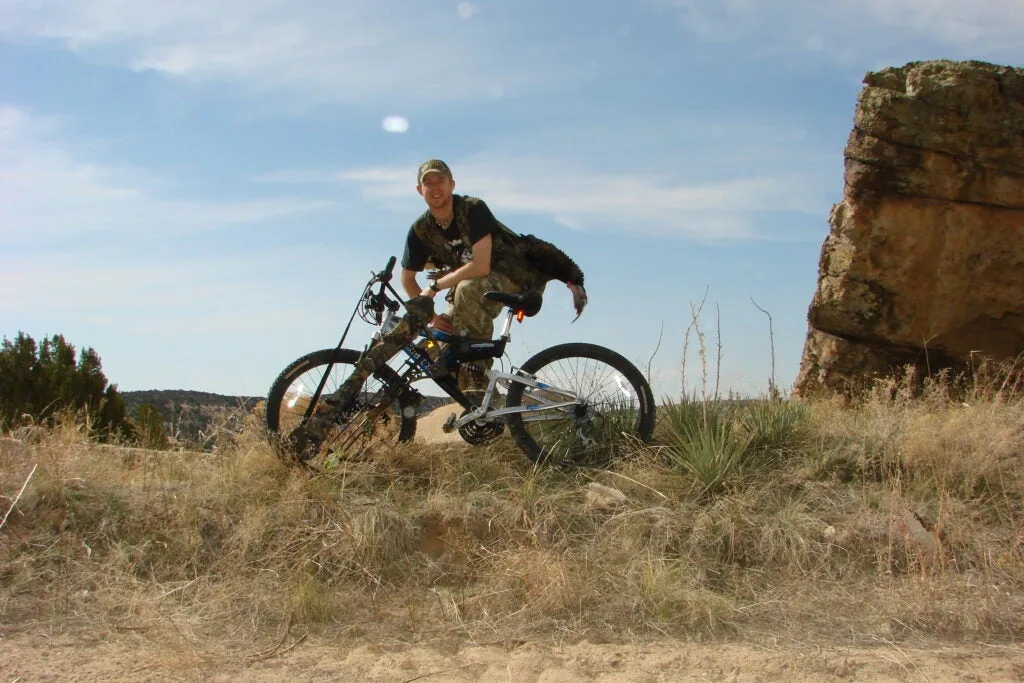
<point x="704" y="442"/>
<point x="774" y="426"/>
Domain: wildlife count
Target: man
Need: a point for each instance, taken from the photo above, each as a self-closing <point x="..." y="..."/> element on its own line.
<point x="470" y="252"/>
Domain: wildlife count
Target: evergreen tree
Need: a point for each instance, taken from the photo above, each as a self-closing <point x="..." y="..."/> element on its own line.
<point x="150" y="424"/>
<point x="18" y="380"/>
<point x="41" y="380"/>
<point x="112" y="422"/>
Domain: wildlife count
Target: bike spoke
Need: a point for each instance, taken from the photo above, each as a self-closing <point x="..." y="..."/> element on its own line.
<point x="610" y="409"/>
<point x="295" y="402"/>
<point x="370" y="431"/>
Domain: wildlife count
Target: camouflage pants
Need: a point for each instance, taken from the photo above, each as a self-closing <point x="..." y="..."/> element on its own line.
<point x="419" y="311"/>
<point x="473" y="316"/>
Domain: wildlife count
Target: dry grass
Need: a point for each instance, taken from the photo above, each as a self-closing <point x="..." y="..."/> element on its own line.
<point x="891" y="519"/>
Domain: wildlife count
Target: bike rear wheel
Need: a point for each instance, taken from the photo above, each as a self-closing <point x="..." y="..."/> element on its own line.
<point x="381" y="415"/>
<point x="612" y="412"/>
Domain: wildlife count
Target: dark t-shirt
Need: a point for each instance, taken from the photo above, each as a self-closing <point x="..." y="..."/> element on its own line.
<point x="481" y="224"/>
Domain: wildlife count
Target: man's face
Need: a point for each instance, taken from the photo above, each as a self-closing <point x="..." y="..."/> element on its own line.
<point x="436" y="189"/>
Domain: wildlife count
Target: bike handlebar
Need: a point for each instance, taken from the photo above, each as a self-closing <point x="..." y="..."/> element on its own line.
<point x="380" y="300"/>
<point x="385" y="275"/>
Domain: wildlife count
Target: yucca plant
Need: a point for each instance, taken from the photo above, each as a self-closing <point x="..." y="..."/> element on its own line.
<point x="773" y="426"/>
<point x="693" y="413"/>
<point x="704" y="442"/>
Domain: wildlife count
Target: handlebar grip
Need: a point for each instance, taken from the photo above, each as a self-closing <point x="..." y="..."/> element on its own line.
<point x="385" y="275"/>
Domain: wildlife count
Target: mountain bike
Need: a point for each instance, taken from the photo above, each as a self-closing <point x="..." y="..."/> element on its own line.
<point x="576" y="404"/>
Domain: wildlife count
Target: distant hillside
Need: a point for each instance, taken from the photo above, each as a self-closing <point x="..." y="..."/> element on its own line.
<point x="159" y="397"/>
<point x="195" y="418"/>
<point x="199" y="418"/>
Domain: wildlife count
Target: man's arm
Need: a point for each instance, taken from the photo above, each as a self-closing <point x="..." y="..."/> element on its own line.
<point x="413" y="261"/>
<point x="478" y="267"/>
<point x="409" y="284"/>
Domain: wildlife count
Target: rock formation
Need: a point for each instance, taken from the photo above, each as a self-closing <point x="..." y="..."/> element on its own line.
<point x="925" y="260"/>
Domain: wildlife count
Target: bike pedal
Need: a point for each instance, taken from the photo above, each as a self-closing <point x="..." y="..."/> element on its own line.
<point x="449" y="425"/>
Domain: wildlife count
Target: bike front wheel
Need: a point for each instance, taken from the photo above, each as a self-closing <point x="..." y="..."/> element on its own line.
<point x="380" y="416"/>
<point x="593" y="406"/>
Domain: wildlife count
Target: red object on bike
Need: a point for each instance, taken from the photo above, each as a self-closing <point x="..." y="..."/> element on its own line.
<point x="443" y="323"/>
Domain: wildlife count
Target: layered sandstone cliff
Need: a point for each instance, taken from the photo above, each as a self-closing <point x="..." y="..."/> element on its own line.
<point x="925" y="260"/>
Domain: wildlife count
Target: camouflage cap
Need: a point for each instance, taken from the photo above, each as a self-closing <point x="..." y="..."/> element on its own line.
<point x="432" y="166"/>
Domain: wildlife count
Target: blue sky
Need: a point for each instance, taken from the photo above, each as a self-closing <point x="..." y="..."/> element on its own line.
<point x="199" y="189"/>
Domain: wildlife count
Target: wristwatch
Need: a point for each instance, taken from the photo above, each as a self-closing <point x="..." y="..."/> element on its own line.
<point x="434" y="286"/>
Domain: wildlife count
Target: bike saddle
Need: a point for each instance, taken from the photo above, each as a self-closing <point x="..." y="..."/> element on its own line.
<point x="527" y="302"/>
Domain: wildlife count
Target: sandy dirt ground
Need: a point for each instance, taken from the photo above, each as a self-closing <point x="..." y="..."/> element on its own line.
<point x="35" y="657"/>
<point x="428" y="426"/>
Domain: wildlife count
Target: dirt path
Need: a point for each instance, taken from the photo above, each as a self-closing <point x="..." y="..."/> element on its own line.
<point x="428" y="426"/>
<point x="35" y="657"/>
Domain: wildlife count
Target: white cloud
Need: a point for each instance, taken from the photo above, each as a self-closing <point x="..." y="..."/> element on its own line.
<point x="866" y="29"/>
<point x="343" y="51"/>
<point x="393" y="52"/>
<point x="993" y="24"/>
<point x="48" y="189"/>
<point x="395" y="124"/>
<point x="124" y="285"/>
<point x="583" y="199"/>
<point x="466" y="10"/>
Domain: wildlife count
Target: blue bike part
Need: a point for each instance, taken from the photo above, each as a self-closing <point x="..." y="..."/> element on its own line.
<point x="439" y="335"/>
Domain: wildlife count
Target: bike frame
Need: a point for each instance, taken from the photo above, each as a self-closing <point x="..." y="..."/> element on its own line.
<point x="420" y="364"/>
<point x="484" y="411"/>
